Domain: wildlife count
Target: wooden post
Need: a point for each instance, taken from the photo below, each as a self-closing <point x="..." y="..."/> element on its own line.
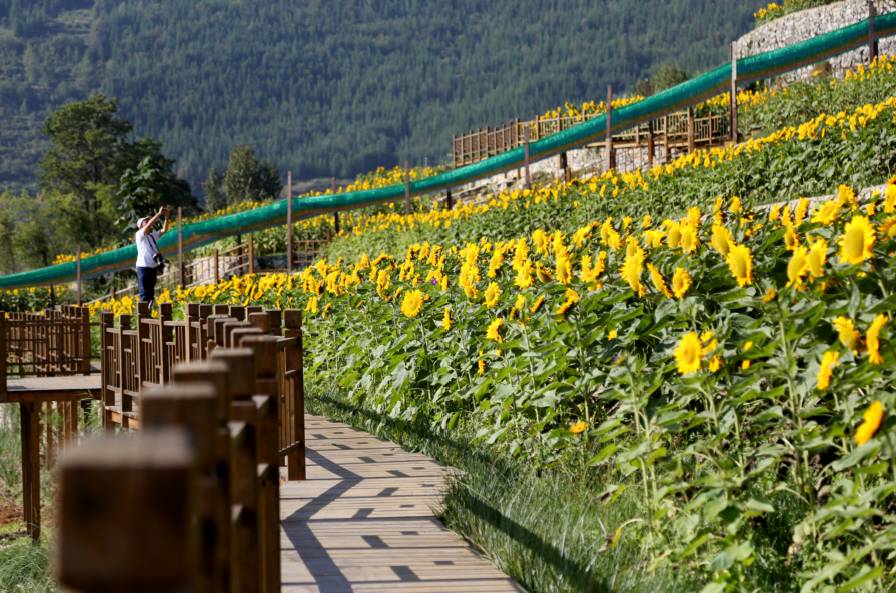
<point x="29" y="413"/>
<point x="564" y="167"/>
<point x="526" y="156"/>
<point x="651" y="144"/>
<point x="180" y="247"/>
<point x="78" y="273"/>
<point x="407" y="188"/>
<point x="335" y="212"/>
<point x="733" y="103"/>
<point x="215" y="262"/>
<point x="192" y="408"/>
<point x="449" y="200"/>
<point x="295" y="362"/>
<point x="289" y="222"/>
<point x="125" y="514"/>
<point x="872" y="33"/>
<point x="667" y="150"/>
<point x="610" y="156"/>
<point x="251" y="255"/>
<point x="691" y="143"/>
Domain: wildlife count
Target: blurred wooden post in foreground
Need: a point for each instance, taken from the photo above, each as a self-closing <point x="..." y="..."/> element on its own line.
<point x="289" y="222"/>
<point x="733" y="99"/>
<point x="125" y="507"/>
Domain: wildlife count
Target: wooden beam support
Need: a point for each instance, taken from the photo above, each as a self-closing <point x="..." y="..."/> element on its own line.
<point x="29" y="417"/>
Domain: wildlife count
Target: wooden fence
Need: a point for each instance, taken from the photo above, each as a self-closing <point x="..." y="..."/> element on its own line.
<point x="190" y="502"/>
<point x="143" y="352"/>
<point x="53" y="343"/>
<point x="680" y="130"/>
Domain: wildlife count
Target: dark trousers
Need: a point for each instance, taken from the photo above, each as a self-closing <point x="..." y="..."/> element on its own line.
<point x="146" y="284"/>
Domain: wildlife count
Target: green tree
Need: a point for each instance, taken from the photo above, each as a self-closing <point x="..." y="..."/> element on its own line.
<point x="148" y="186"/>
<point x="7" y="250"/>
<point x="667" y="75"/>
<point x="32" y="243"/>
<point x="246" y="178"/>
<point x="214" y="191"/>
<point x="89" y="154"/>
<point x="89" y="149"/>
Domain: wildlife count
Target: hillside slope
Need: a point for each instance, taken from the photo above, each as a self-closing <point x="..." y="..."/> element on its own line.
<point x="331" y="88"/>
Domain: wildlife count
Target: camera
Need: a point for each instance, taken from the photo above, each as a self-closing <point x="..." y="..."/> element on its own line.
<point x="160" y="262"/>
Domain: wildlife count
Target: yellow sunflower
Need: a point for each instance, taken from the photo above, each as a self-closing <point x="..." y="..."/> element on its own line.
<point x="872" y="339"/>
<point x="857" y="240"/>
<point x="681" y="282"/>
<point x="873" y="418"/>
<point x="689" y="353"/>
<point x="740" y="262"/>
<point x="412" y="303"/>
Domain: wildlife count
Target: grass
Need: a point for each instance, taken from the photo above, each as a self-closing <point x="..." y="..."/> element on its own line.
<point x="572" y="543"/>
<point x="25" y="568"/>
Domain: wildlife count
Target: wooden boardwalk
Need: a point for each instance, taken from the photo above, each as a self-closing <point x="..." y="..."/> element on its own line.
<point x="364" y="521"/>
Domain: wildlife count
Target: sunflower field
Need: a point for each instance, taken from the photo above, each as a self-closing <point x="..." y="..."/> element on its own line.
<point x="672" y="380"/>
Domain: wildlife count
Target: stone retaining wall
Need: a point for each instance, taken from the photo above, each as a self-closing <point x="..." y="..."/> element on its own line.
<point x="812" y="22"/>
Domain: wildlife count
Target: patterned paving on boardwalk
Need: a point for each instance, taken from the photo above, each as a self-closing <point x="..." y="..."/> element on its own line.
<point x="363" y="521"/>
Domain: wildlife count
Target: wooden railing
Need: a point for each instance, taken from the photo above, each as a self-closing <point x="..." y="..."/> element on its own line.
<point x="190" y="502"/>
<point x="680" y="130"/>
<point x="53" y="343"/>
<point x="141" y="353"/>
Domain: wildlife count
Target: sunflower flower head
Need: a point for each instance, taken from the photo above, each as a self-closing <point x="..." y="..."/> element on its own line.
<point x="689" y="353"/>
<point x="829" y="360"/>
<point x="857" y="240"/>
<point x="872" y="420"/>
<point x="740" y="262"/>
<point x="681" y="282"/>
<point x="494" y="330"/>
<point x="872" y="339"/>
<point x="412" y="303"/>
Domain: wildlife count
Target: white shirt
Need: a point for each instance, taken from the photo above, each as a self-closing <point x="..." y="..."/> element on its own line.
<point x="145" y="249"/>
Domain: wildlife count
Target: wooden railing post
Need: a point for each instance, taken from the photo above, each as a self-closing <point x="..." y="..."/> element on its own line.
<point x="610" y="156"/>
<point x="180" y="247"/>
<point x="251" y="255"/>
<point x="292" y="322"/>
<point x="4" y="352"/>
<point x="733" y="101"/>
<point x="124" y="520"/>
<point x="564" y="167"/>
<point x="651" y="144"/>
<point x="289" y="222"/>
<point x="872" y="33"/>
<point x="78" y="275"/>
<point x="192" y="408"/>
<point x="449" y="200"/>
<point x="166" y="315"/>
<point x="526" y="156"/>
<point x="407" y="188"/>
<point x="667" y="149"/>
<point x="691" y="142"/>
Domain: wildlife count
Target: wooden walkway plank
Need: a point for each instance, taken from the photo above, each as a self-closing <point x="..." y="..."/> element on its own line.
<point x="364" y="521"/>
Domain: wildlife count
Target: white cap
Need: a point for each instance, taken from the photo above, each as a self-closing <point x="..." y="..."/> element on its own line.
<point x="142" y="222"/>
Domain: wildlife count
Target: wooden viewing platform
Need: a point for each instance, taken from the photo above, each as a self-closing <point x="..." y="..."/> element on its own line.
<point x="364" y="521"/>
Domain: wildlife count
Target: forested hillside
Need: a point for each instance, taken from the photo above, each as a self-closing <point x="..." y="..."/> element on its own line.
<point x="331" y="88"/>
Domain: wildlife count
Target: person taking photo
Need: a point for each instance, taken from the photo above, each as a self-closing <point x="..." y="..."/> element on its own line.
<point x="149" y="257"/>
